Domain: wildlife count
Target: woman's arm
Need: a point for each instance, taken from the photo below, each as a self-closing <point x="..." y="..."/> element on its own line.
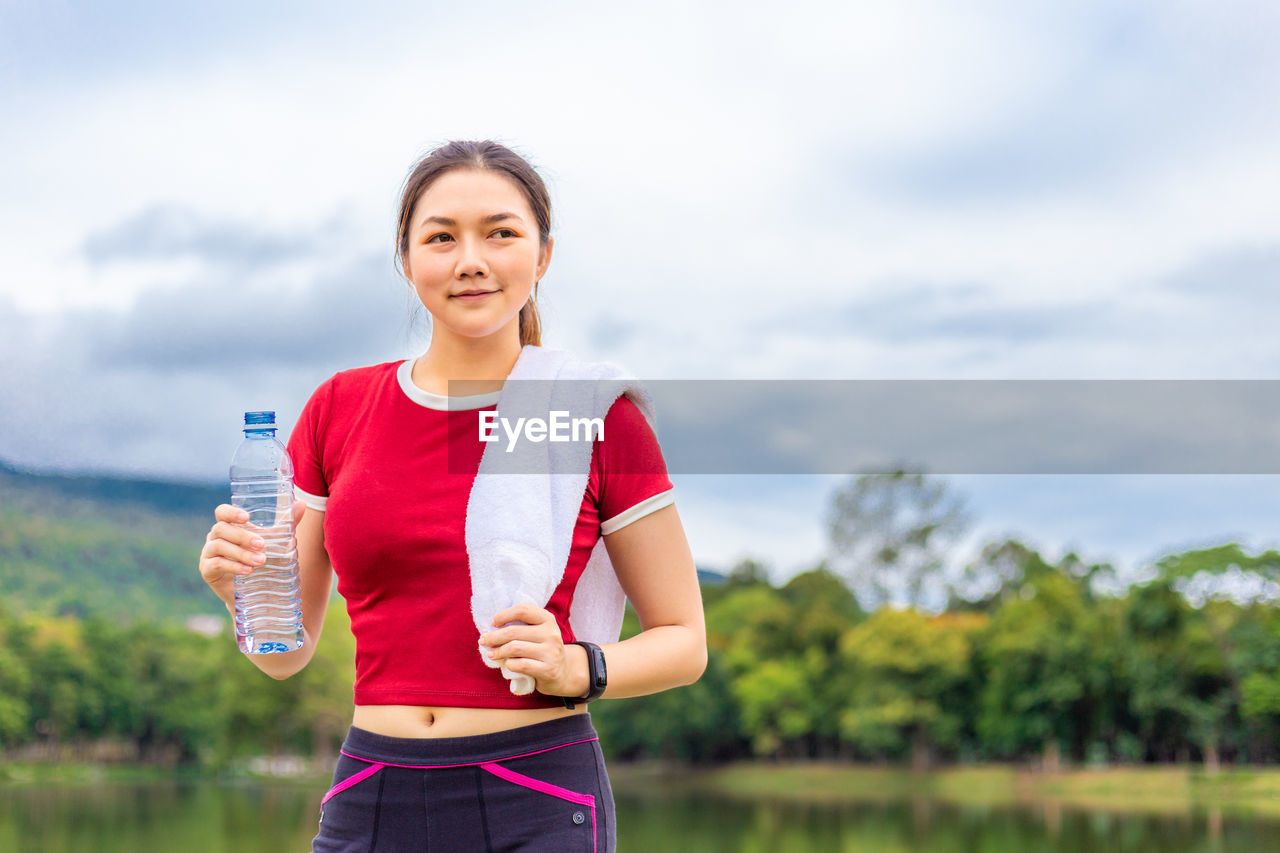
<point x="654" y="565"/>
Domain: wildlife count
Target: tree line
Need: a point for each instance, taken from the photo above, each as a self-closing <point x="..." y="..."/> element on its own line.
<point x="876" y="654"/>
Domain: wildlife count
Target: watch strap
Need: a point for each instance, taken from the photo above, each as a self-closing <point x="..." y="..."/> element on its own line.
<point x="597" y="674"/>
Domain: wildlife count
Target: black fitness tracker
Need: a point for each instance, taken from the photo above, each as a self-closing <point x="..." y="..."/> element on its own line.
<point x="597" y="676"/>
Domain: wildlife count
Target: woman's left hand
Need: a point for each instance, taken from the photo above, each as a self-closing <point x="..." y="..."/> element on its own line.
<point x="528" y="641"/>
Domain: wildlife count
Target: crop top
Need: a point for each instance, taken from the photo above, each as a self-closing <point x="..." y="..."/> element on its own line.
<point x="375" y="453"/>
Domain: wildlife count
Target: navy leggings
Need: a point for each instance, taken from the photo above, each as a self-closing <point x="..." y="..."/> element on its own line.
<point x="542" y="787"/>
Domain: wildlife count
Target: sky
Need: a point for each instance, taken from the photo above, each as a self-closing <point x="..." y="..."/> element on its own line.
<point x="198" y="202"/>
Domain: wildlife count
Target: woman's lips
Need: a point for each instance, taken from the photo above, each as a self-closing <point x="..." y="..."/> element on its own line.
<point x="473" y="297"/>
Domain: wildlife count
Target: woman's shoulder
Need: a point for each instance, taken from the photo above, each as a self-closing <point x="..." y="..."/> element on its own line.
<point x="628" y="441"/>
<point x="352" y="385"/>
<point x="625" y="414"/>
<point x="360" y="378"/>
<point x="367" y="372"/>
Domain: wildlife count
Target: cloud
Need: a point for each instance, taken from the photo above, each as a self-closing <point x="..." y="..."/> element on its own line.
<point x="126" y="38"/>
<point x="966" y="312"/>
<point x="222" y="323"/>
<point x="173" y="231"/>
<point x="829" y="190"/>
<point x="964" y="426"/>
<point x="609" y="333"/>
<point x="156" y="386"/>
<point x="1248" y="274"/>
<point x="1121" y="93"/>
<point x="899" y="312"/>
<point x="210" y="292"/>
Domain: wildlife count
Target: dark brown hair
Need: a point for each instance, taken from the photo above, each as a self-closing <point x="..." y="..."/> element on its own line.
<point x="490" y="156"/>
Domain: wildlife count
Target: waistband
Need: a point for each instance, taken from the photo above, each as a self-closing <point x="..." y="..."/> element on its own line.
<point x="472" y="749"/>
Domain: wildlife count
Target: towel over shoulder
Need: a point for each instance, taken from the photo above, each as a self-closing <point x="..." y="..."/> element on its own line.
<point x="525" y="500"/>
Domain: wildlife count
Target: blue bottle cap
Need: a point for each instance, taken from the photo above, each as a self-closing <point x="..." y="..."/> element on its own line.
<point x="251" y="418"/>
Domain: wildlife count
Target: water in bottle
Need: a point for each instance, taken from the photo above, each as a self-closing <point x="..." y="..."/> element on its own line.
<point x="268" y="601"/>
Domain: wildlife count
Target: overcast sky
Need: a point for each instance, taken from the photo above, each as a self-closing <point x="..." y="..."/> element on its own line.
<point x="197" y="210"/>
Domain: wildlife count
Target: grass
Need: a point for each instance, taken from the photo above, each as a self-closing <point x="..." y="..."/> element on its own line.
<point x="1164" y="789"/>
<point x="89" y="773"/>
<point x="1169" y="789"/>
<point x="78" y="772"/>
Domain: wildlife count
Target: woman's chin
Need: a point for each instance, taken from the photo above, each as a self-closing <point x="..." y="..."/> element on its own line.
<point x="476" y="330"/>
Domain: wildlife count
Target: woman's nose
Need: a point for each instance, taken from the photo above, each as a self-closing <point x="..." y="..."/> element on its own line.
<point x="471" y="259"/>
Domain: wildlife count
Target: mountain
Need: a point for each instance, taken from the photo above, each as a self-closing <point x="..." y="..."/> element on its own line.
<point x="66" y="491"/>
<point x="113" y="546"/>
<point x="710" y="577"/>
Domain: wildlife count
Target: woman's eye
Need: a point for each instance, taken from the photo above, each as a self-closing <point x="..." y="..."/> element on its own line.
<point x="501" y="232"/>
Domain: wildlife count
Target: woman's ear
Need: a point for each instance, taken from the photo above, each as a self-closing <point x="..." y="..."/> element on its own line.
<point x="544" y="258"/>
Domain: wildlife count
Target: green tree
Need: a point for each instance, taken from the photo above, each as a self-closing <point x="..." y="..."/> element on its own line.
<point x="15" y="683"/>
<point x="1175" y="673"/>
<point x="890" y="535"/>
<point x="57" y="672"/>
<point x="905" y="671"/>
<point x="771" y="694"/>
<point x="1217" y="564"/>
<point x="326" y="683"/>
<point x="1244" y="642"/>
<point x="1046" y="664"/>
<point x="259" y="713"/>
<point x="821" y="609"/>
<point x="699" y="722"/>
<point x="777" y="681"/>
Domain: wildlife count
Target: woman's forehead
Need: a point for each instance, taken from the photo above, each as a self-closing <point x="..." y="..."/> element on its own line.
<point x="471" y="194"/>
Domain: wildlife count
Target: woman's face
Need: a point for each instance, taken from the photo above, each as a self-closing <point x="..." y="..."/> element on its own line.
<point x="473" y="230"/>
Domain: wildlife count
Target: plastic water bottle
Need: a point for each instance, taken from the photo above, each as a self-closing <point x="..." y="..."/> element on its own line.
<point x="268" y="601"/>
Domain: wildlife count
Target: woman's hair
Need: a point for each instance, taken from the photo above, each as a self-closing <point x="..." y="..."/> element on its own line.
<point x="493" y="157"/>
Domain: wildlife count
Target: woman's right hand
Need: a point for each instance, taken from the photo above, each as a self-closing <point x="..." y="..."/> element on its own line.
<point x="231" y="550"/>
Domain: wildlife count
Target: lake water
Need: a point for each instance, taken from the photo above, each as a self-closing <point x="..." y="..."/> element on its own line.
<point x="276" y="818"/>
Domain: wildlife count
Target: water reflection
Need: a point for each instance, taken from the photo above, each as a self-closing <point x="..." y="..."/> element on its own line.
<point x="185" y="817"/>
<point x="716" y="824"/>
<point x="197" y="817"/>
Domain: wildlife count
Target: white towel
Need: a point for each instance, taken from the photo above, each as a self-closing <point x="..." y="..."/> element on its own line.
<point x="521" y="516"/>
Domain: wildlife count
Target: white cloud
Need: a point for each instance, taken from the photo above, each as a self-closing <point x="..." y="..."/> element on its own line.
<point x="727" y="179"/>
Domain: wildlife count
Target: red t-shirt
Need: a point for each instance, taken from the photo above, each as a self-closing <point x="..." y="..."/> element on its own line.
<point x="374" y="452"/>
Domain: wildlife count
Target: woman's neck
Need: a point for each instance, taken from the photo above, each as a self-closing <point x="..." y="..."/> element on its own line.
<point x="481" y="363"/>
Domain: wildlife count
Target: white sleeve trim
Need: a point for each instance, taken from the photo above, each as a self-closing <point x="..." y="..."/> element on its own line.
<point x="640" y="510"/>
<point x="312" y="501"/>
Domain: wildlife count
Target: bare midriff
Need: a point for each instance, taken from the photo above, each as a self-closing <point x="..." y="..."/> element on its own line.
<point x="446" y="721"/>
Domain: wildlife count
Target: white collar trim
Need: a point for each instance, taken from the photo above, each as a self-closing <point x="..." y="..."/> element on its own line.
<point x="404" y="374"/>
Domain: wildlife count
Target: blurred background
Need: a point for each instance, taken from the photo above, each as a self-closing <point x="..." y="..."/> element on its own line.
<point x="197" y="213"/>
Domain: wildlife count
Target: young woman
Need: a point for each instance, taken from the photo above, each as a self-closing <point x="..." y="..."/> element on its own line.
<point x="442" y="754"/>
